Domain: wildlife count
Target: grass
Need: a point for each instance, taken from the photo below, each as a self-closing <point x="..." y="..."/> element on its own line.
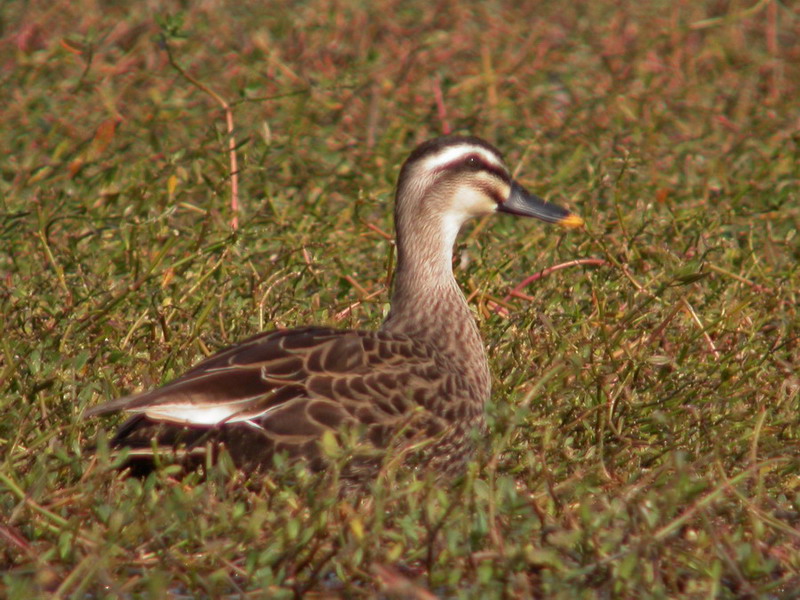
<point x="645" y="437"/>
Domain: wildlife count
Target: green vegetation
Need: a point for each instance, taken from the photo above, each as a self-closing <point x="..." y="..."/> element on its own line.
<point x="645" y="429"/>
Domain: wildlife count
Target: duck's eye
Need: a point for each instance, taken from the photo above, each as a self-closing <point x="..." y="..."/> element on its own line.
<point x="473" y="162"/>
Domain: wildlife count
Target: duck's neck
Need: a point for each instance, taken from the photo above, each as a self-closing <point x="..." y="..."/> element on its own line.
<point x="427" y="303"/>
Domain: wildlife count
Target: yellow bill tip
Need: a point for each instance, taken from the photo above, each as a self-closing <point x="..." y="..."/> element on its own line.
<point x="571" y="221"/>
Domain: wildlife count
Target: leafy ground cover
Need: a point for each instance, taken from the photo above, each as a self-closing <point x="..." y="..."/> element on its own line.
<point x="644" y="432"/>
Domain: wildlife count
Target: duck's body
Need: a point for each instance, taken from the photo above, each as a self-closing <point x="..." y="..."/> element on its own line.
<point x="422" y="380"/>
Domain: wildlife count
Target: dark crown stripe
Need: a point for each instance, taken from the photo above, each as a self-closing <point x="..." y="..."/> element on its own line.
<point x="436" y="145"/>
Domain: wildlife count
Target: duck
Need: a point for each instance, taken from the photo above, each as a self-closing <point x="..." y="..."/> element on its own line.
<point x="420" y="382"/>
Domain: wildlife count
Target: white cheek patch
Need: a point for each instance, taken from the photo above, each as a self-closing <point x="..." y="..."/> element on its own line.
<point x="461" y="151"/>
<point x="465" y="202"/>
<point x="481" y="195"/>
<point x="472" y="201"/>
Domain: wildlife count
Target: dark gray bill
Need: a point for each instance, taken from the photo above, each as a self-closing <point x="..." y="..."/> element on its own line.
<point x="521" y="202"/>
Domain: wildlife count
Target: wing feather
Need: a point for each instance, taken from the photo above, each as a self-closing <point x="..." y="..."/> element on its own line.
<point x="285" y="388"/>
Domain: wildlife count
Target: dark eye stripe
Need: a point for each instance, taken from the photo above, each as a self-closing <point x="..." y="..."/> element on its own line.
<point x="474" y="162"/>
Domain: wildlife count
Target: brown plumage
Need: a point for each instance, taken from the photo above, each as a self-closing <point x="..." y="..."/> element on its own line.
<point x="420" y="381"/>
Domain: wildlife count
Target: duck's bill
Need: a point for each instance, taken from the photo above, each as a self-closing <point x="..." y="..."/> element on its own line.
<point x="522" y="202"/>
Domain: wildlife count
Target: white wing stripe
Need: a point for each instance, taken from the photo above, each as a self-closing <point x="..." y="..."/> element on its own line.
<point x="207" y="415"/>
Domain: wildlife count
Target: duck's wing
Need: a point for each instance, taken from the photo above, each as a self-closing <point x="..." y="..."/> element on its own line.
<point x="287" y="387"/>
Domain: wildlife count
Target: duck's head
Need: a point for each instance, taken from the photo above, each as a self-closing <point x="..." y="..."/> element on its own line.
<point x="448" y="180"/>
